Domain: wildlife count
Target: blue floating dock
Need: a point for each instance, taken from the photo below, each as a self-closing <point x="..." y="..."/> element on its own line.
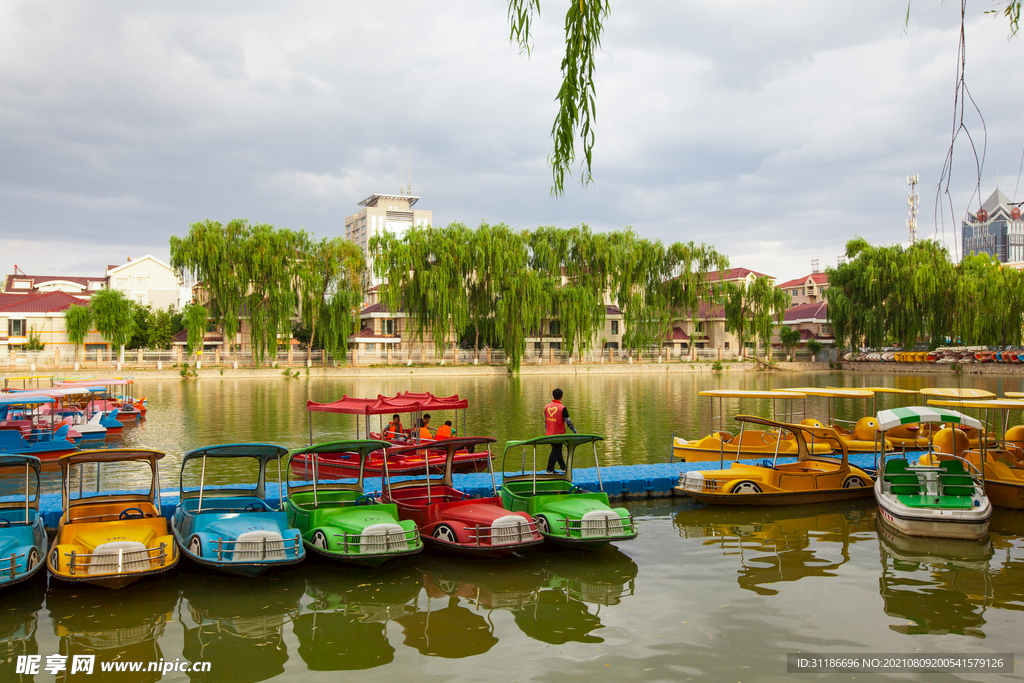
<point x="619" y="481"/>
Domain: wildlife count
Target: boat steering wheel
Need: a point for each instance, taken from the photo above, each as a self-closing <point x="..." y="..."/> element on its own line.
<point x="256" y="507"/>
<point x="4" y="523"/>
<point x="365" y="499"/>
<point x="124" y="514"/>
<point x="579" y="489"/>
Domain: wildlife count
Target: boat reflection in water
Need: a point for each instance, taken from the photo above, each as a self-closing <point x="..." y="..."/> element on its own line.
<point x="946" y="586"/>
<point x="227" y="619"/>
<point x="811" y="541"/>
<point x="113" y="626"/>
<point x="19" y="615"/>
<point x="549" y="597"/>
<point x="344" y="628"/>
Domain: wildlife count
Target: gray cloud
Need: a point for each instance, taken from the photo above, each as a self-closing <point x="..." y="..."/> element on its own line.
<point x="773" y="130"/>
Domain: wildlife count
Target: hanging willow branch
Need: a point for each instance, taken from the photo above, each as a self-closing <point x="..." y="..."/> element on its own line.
<point x="577" y="97"/>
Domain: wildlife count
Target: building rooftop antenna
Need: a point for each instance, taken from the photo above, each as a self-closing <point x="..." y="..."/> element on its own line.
<point x="410" y="172"/>
<point x="913" y="201"/>
<point x="401" y="175"/>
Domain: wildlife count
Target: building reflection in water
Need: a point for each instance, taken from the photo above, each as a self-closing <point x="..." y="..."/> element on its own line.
<point x="238" y="623"/>
<point x="344" y="628"/>
<point x="19" y="615"/>
<point x="115" y="626"/>
<point x="811" y="541"/>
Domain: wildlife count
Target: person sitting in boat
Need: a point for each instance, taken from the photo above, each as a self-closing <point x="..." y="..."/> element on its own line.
<point x="444" y="431"/>
<point x="425" y="434"/>
<point x="395" y="429"/>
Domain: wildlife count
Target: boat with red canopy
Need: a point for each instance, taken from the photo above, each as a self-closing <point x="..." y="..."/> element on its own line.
<point x="372" y="418"/>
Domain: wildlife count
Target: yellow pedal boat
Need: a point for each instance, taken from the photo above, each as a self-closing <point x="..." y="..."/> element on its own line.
<point x="812" y="478"/>
<point x="1002" y="464"/>
<point x="111" y="537"/>
<point x="749" y="444"/>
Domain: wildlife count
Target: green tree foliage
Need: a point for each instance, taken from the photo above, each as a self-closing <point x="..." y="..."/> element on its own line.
<point x="78" y="322"/>
<point x="330" y="275"/>
<point x="265" y="273"/>
<point x="453" y="279"/>
<point x="114" y="316"/>
<point x="35" y="342"/>
<point x="196" y="318"/>
<point x="161" y="329"/>
<point x="143" y="317"/>
<point x="907" y="295"/>
<point x="752" y="310"/>
<point x="577" y="98"/>
<point x="789" y="337"/>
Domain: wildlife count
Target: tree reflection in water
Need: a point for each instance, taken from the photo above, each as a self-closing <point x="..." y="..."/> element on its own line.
<point x="18" y="621"/>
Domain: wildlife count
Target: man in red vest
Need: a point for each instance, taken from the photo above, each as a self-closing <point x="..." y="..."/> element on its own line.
<point x="556" y="417"/>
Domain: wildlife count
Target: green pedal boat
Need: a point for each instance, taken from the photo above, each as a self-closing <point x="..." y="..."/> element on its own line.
<point x="335" y="517"/>
<point x="565" y="514"/>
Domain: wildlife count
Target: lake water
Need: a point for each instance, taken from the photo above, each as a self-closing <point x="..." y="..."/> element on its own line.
<point x="721" y="594"/>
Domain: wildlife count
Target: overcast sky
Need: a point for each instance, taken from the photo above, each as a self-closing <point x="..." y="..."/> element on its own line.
<point x="774" y="131"/>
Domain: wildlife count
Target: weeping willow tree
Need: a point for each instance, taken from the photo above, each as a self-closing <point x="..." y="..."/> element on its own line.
<point x="426" y="273"/>
<point x="498" y="254"/>
<point x="77" y="321"/>
<point x="115" y="320"/>
<point x="195" y="318"/>
<point x="247" y="270"/>
<point x="767" y="305"/>
<point x="904" y="296"/>
<point x="330" y="278"/>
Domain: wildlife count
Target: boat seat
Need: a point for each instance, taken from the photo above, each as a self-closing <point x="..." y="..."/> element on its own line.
<point x="901" y="482"/>
<point x="955" y="481"/>
<point x="940" y="502"/>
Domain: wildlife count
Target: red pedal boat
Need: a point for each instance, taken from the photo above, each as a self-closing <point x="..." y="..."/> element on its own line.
<point x="453" y="520"/>
<point x="413" y="460"/>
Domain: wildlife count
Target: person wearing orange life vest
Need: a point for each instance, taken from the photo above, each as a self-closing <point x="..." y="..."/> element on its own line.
<point x="556" y="417"/>
<point x="444" y="431"/>
<point x="395" y="429"/>
<point x="425" y="434"/>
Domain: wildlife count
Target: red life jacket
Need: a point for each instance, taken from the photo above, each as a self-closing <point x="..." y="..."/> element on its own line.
<point x="553" y="422"/>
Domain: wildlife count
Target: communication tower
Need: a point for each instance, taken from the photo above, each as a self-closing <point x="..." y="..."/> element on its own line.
<point x="913" y="201"/>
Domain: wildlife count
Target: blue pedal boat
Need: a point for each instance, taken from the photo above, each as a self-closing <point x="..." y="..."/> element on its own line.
<point x="22" y="536"/>
<point x="226" y="523"/>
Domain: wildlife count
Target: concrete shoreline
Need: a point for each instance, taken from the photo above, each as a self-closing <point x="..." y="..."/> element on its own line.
<point x="575" y="369"/>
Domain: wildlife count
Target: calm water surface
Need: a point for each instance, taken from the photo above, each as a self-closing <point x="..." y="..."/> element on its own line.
<point x="702" y="593"/>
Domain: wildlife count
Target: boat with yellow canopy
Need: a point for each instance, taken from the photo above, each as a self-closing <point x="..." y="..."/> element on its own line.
<point x="722" y="445"/>
<point x="960" y="394"/>
<point x="811" y="479"/>
<point x="902" y="436"/>
<point x="860" y="436"/>
<point x="1002" y="465"/>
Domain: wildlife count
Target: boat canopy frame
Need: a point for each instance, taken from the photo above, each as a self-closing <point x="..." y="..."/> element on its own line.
<point x="32" y="465"/>
<point x="264" y="453"/>
<point x="450" y="446"/>
<point x="887" y="419"/>
<point x="99" y="457"/>
<point x="569" y="441"/>
<point x="800" y="433"/>
<point x="405" y="403"/>
<point x="364" y="447"/>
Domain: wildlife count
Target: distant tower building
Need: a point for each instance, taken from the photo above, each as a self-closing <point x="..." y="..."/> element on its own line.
<point x="995" y="229"/>
<point x="380" y="212"/>
<point x="913" y="201"/>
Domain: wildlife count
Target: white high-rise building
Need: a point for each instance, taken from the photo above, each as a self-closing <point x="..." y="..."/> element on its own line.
<point x="391" y="212"/>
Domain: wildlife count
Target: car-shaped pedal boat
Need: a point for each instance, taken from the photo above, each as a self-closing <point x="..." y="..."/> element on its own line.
<point x="224" y="520"/>
<point x="565" y="514"/>
<point x="453" y="520"/>
<point x="942" y="497"/>
<point x="813" y="478"/>
<point x="334" y="515"/>
<point x="22" y="536"/>
<point x="111" y="537"/>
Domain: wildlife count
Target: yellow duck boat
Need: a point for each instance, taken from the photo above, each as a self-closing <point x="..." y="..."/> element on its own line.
<point x="859" y="439"/>
<point x="114" y="537"/>
<point x="811" y="479"/>
<point x="722" y="445"/>
<point x="1002" y="465"/>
